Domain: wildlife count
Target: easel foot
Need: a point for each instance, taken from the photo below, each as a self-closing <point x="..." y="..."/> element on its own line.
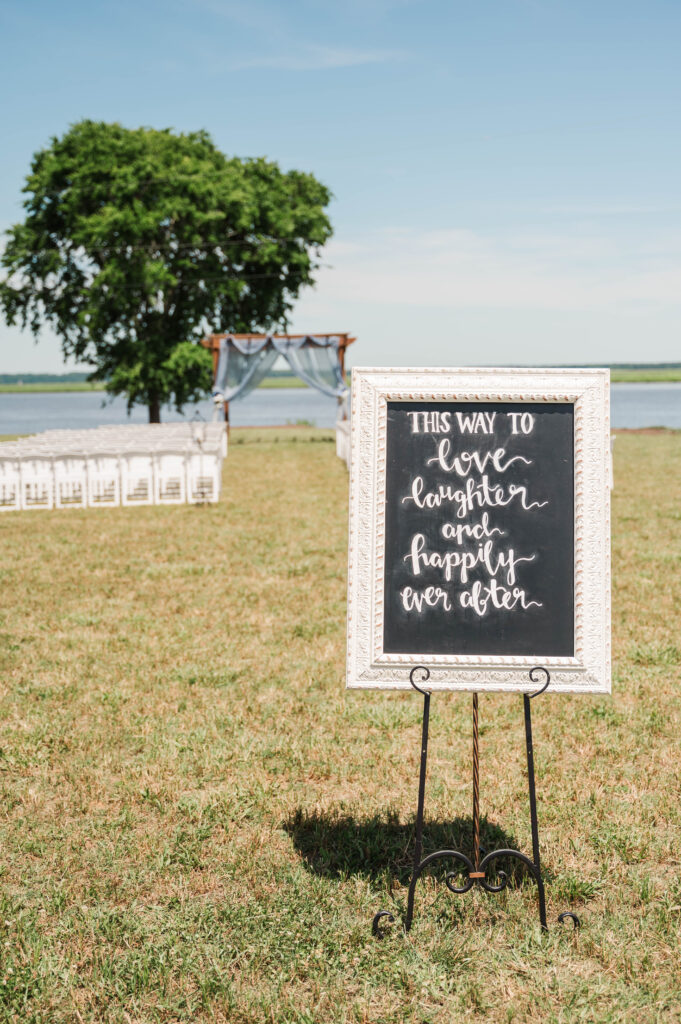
<point x="476" y="877"/>
<point x="376" y="923"/>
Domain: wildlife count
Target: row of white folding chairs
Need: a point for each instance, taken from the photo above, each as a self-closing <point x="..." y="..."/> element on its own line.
<point x="171" y="437"/>
<point x="95" y="441"/>
<point x="156" y="431"/>
<point x="43" y="481"/>
<point x="180" y="427"/>
<point x="40" y="450"/>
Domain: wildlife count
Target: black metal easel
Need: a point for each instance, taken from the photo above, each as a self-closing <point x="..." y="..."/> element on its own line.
<point x="476" y="868"/>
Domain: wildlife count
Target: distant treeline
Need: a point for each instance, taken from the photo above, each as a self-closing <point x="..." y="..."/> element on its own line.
<point x="78" y="378"/>
<point x="43" y="378"/>
<point x="611" y="366"/>
<point x="643" y="366"/>
<point x="81" y="378"/>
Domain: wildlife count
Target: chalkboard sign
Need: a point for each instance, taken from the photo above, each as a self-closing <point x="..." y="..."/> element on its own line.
<point x="479" y="541"/>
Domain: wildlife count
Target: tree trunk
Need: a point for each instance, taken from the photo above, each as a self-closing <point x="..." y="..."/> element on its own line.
<point x="154" y="409"/>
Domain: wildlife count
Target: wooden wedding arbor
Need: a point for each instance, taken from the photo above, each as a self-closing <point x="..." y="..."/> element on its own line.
<point x="282" y="344"/>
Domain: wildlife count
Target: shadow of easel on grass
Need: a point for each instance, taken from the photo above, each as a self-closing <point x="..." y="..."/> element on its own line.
<point x="337" y="846"/>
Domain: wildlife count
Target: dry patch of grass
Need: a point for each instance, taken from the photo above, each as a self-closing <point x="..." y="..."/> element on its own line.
<point x="197" y="823"/>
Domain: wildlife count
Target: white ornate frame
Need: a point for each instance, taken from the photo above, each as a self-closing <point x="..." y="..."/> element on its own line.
<point x="368" y="667"/>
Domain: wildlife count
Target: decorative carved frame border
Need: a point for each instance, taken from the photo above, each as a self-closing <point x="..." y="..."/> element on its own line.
<point x="368" y="667"/>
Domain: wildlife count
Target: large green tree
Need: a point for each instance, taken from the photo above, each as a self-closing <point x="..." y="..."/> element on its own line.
<point x="137" y="242"/>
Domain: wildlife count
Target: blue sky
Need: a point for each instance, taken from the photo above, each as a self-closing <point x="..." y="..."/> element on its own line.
<point x="506" y="173"/>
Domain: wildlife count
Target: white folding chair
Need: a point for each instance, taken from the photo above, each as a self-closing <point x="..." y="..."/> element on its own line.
<point x="137" y="479"/>
<point x="203" y="477"/>
<point x="171" y="486"/>
<point x="37" y="482"/>
<point x="70" y="481"/>
<point x="104" y="480"/>
<point x="10" y="485"/>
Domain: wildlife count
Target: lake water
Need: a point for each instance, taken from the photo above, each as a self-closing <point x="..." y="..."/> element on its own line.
<point x="633" y="405"/>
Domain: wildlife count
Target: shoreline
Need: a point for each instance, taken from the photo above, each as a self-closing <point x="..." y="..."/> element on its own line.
<point x="617" y="376"/>
<point x="54" y="387"/>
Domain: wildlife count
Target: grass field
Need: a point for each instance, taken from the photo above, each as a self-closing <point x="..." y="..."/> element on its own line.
<point x="197" y="823"/>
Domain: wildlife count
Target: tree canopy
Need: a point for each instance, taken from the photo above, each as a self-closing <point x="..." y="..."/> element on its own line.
<point x="136" y="242"/>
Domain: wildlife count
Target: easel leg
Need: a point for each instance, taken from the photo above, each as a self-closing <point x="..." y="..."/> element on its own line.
<point x="533" y="812"/>
<point x="475" y="875"/>
<point x="476" y="787"/>
<point x="418" y="841"/>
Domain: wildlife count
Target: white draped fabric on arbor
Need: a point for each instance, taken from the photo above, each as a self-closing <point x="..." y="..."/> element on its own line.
<point x="244" y="362"/>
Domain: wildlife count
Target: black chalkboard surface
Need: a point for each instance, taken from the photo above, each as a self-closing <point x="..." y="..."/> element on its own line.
<point x="479" y="518"/>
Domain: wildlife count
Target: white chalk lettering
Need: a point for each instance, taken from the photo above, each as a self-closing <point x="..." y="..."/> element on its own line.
<point x="456" y="557"/>
<point x="430" y="422"/>
<point x="415" y="600"/>
<point x="458" y="531"/>
<point x="476" y="422"/>
<point x="471" y="497"/>
<point x="526" y="420"/>
<point x="480" y="597"/>
<point x="464" y="462"/>
<point x="451" y="562"/>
